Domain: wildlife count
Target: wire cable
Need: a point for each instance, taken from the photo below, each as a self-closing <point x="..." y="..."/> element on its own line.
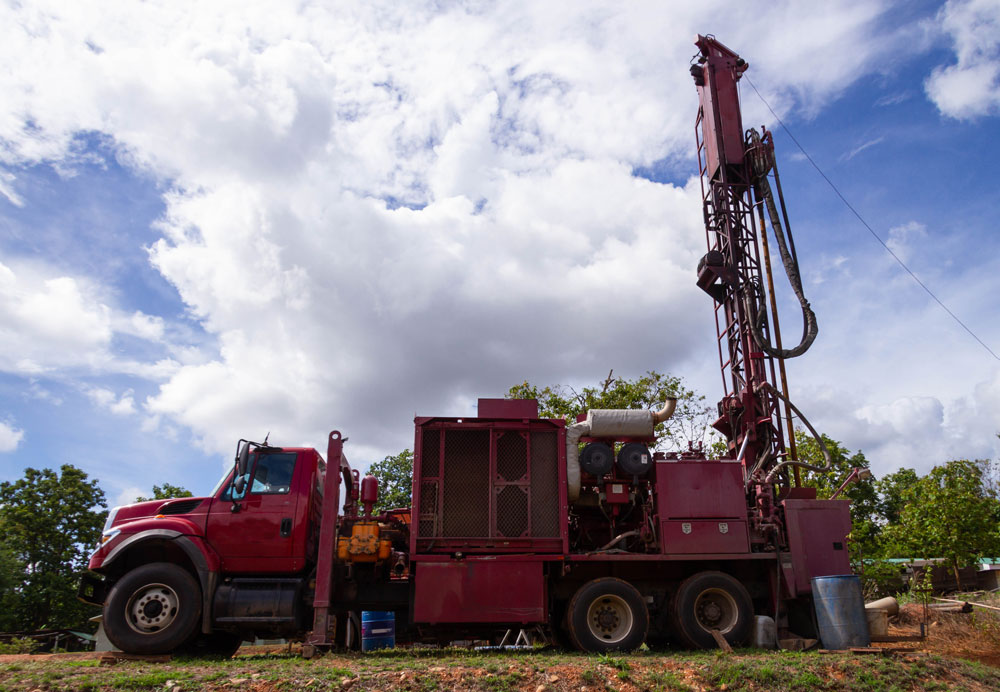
<point x="866" y="225"/>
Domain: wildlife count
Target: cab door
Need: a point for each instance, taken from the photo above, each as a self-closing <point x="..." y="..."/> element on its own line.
<point x="253" y="532"/>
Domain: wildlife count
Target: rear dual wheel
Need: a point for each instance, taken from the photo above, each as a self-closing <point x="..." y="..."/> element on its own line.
<point x="607" y="614"/>
<point x="712" y="601"/>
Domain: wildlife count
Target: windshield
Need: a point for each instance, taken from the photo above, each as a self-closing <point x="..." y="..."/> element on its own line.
<point x="222" y="480"/>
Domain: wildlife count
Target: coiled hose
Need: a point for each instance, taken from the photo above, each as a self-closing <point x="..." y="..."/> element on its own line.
<point x="761" y="162"/>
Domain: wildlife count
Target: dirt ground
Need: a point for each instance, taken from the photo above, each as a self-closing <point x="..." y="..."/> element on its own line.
<point x="960" y="651"/>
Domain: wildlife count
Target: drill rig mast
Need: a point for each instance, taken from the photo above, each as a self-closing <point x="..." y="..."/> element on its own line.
<point x="734" y="165"/>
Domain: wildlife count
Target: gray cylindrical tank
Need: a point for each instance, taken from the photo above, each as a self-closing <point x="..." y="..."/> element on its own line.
<point x="840" y="611"/>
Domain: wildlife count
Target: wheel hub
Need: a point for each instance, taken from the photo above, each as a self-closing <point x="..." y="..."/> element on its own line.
<point x="716" y="609"/>
<point x="152" y="608"/>
<point x="609" y="619"/>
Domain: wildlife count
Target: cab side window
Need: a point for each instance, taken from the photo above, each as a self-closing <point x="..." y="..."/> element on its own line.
<point x="273" y="475"/>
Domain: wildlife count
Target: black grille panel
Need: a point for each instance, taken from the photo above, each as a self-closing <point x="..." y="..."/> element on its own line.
<point x="544" y="485"/>
<point x="487" y="486"/>
<point x="512" y="456"/>
<point x="430" y="451"/>
<point x="180" y="507"/>
<point x="512" y="511"/>
<point x="466" y="510"/>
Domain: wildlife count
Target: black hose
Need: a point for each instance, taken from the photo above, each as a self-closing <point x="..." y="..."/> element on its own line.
<point x="761" y="162"/>
<point x="812" y="431"/>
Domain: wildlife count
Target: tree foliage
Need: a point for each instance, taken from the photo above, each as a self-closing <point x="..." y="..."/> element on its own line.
<point x="949" y="513"/>
<point x="395" y="480"/>
<point x="166" y="492"/>
<point x="650" y="391"/>
<point x="51" y="522"/>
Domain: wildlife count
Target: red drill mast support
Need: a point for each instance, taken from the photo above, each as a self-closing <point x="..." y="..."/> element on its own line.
<point x="731" y="270"/>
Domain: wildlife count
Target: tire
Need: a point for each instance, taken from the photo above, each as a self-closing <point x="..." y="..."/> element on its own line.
<point x="712" y="600"/>
<point x="153" y="609"/>
<point x="607" y="614"/>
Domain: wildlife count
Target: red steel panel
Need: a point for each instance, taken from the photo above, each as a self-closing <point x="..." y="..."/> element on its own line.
<point x="508" y="408"/>
<point x="817" y="539"/>
<point x="479" y="591"/>
<point x="698" y="537"/>
<point x="700" y="490"/>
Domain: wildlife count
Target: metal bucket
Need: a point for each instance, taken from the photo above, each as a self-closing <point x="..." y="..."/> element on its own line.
<point x="378" y="629"/>
<point x="840" y="611"/>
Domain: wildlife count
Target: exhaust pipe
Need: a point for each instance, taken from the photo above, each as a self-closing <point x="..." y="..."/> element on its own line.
<point x="608" y="423"/>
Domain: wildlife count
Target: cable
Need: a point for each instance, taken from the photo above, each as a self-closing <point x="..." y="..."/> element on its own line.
<point x="865" y="223"/>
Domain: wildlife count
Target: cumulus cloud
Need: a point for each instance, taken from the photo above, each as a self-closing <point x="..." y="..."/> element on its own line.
<point x="50" y="323"/>
<point x="10" y="436"/>
<point x="122" y="405"/>
<point x="971" y="86"/>
<point x="378" y="209"/>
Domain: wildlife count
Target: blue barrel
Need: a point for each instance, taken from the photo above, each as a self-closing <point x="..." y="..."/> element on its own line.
<point x="378" y="629"/>
<point x="840" y="611"/>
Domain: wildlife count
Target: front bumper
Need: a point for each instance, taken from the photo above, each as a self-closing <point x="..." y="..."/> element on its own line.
<point x="92" y="590"/>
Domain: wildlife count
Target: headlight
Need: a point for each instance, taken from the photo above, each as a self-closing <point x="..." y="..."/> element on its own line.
<point x="110" y="520"/>
<point x="108" y="535"/>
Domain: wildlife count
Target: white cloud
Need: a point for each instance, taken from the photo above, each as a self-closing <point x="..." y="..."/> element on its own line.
<point x="971" y="86"/>
<point x="295" y="137"/>
<point x="10" y="437"/>
<point x="123" y="405"/>
<point x="7" y="190"/>
<point x="903" y="238"/>
<point x="51" y="324"/>
<point x="126" y="496"/>
<point x="861" y="147"/>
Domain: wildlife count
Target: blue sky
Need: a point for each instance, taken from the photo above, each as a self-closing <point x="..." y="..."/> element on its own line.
<point x="228" y="221"/>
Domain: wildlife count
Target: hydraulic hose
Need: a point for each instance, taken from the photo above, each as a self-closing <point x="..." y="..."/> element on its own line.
<point x="812" y="431"/>
<point x="762" y="162"/>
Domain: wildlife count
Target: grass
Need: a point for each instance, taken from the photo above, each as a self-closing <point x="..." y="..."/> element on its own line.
<point x="441" y="670"/>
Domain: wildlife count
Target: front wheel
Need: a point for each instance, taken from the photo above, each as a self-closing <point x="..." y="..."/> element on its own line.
<point x="153" y="609"/>
<point x="712" y="601"/>
<point x="607" y="614"/>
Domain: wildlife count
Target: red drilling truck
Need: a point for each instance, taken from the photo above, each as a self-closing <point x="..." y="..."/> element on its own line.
<point x="581" y="529"/>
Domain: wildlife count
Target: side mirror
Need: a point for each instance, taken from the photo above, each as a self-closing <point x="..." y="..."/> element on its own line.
<point x="242" y="460"/>
<point x="239" y="485"/>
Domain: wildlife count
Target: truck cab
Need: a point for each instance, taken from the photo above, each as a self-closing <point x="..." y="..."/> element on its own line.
<point x="207" y="571"/>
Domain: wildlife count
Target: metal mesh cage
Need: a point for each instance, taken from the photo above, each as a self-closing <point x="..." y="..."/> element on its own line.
<point x="488" y="487"/>
<point x="430" y="454"/>
<point x="544" y="484"/>
<point x="512" y="511"/>
<point x="512" y="456"/>
<point x="428" y="508"/>
<point x="466" y="506"/>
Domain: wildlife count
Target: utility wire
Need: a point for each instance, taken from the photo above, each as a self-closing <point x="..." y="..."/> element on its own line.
<point x="865" y="223"/>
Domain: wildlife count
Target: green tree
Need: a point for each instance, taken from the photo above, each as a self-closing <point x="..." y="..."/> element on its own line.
<point x="892" y="490"/>
<point x="165" y="492"/>
<point x="395" y="480"/>
<point x="51" y="522"/>
<point x="950" y="514"/>
<point x="10" y="586"/>
<point x="650" y="391"/>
